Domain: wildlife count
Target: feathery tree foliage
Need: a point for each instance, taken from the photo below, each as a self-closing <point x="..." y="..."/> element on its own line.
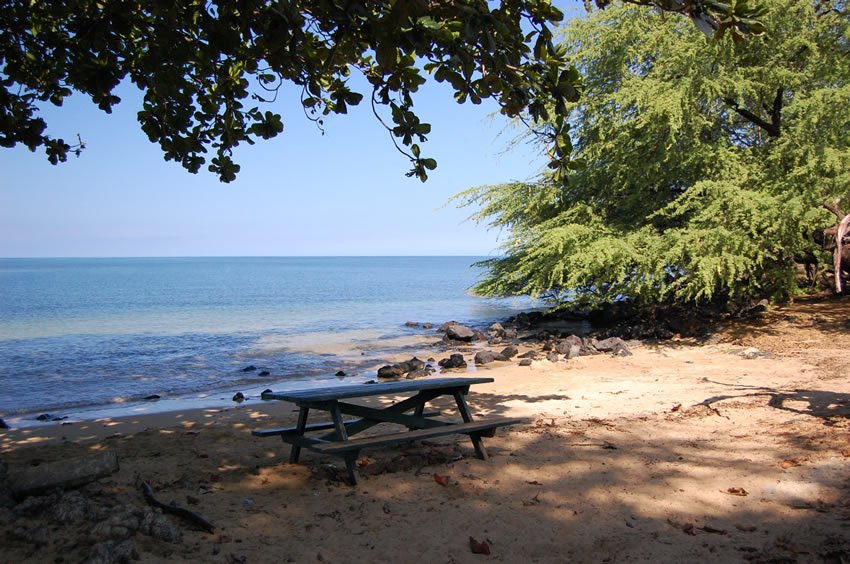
<point x="700" y="167"/>
<point x="199" y="61"/>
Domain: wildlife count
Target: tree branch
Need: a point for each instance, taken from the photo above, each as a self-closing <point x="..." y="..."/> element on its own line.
<point x="772" y="127"/>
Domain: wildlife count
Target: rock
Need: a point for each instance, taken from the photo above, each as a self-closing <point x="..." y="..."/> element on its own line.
<point x="249" y="368"/>
<point x="3" y="424"/>
<point x="445" y="326"/>
<point x="484" y="357"/>
<point x="496" y="330"/>
<point x="411" y="324"/>
<point x="525" y="362"/>
<point x="751" y="353"/>
<point x="427" y="325"/>
<point x="575" y="350"/>
<point x="112" y="552"/>
<point x="455" y="361"/>
<point x="479" y="335"/>
<point x="239" y="397"/>
<point x="411" y="365"/>
<point x="565" y="345"/>
<point x="552" y="357"/>
<point x="44" y="417"/>
<point x="152" y="397"/>
<point x="510" y="333"/>
<point x="340" y="374"/>
<point x="159" y="526"/>
<point x="509" y="352"/>
<point x="419" y="373"/>
<point x="614" y="345"/>
<point x="529" y="354"/>
<point x="264" y="373"/>
<point x="394" y="371"/>
<point x="38" y="536"/>
<point x="460" y="333"/>
<point x="72" y="507"/>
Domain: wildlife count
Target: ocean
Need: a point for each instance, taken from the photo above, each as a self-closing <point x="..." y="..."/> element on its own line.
<point x="91" y="337"/>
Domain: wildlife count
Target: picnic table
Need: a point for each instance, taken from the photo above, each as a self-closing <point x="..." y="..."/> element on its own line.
<point x="420" y="424"/>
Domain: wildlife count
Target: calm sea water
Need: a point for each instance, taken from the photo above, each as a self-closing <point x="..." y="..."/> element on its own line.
<point x="82" y="333"/>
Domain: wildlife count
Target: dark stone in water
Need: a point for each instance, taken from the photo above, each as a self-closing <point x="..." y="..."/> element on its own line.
<point x="44" y="417"/>
<point x="390" y="371"/>
<point x="411" y="324"/>
<point x="455" y="361"/>
<point x="249" y="368"/>
<point x="239" y="397"/>
<point x="264" y="392"/>
<point x="3" y="424"/>
<point x="264" y="373"/>
<point x="152" y="397"/>
<point x="340" y="374"/>
<point x="60" y="418"/>
<point x="427" y="325"/>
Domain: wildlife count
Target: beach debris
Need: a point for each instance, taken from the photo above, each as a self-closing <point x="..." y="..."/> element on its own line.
<point x="789" y="463"/>
<point x="340" y="374"/>
<point x="151" y="397"/>
<point x="65" y="473"/>
<point x="247" y="503"/>
<point x="687" y="528"/>
<point x="3" y="424"/>
<point x="249" y="368"/>
<point x="676" y="407"/>
<point x="533" y="501"/>
<point x="714" y="530"/>
<point x="457" y="332"/>
<point x="454" y="361"/>
<point x="737" y="491"/>
<point x="482" y="547"/>
<point x="190" y="516"/>
<point x="239" y="397"/>
<point x="386" y="508"/>
<point x="443" y="480"/>
<point x="264" y="373"/>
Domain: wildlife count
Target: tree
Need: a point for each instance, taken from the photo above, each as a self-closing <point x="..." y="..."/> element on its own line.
<point x="199" y="62"/>
<point x="700" y="168"/>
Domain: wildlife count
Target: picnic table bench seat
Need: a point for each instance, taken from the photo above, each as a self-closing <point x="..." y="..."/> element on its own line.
<point x="407" y="412"/>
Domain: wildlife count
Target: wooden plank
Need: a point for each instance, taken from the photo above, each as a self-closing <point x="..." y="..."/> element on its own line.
<point x="320" y="426"/>
<point x="381" y="389"/>
<point x="473" y="427"/>
<point x="385" y="416"/>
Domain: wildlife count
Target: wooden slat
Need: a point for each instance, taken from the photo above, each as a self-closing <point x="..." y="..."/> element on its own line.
<point x="320" y="426"/>
<point x="381" y="389"/>
<point x="403" y="437"/>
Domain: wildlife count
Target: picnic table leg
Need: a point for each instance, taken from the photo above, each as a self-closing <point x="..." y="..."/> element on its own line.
<point x="295" y="451"/>
<point x="467" y="418"/>
<point x="350" y="457"/>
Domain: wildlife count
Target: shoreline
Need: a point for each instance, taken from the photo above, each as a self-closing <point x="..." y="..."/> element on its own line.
<point x="730" y="450"/>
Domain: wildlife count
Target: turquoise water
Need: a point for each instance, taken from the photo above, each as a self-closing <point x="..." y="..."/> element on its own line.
<point x="82" y="333"/>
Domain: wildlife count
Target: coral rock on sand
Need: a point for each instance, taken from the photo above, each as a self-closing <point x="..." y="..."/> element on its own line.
<point x="460" y="333"/>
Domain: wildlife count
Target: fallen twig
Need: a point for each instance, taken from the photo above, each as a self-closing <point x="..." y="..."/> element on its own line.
<point x="194" y="518"/>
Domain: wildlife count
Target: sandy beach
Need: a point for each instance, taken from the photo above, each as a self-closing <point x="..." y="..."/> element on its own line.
<point x="735" y="448"/>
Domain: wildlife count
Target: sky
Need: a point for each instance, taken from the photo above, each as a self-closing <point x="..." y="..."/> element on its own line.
<point x="343" y="193"/>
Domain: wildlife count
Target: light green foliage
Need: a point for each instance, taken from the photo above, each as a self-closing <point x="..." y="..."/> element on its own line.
<point x="699" y="165"/>
<point x="207" y="68"/>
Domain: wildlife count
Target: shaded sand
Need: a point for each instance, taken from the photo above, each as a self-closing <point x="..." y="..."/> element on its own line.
<point x="621" y="459"/>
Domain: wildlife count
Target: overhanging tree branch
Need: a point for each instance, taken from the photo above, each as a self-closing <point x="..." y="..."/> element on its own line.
<point x="772" y="127"/>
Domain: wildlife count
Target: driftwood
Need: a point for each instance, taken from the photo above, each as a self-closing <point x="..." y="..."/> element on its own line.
<point x="67" y="473"/>
<point x="193" y="518"/>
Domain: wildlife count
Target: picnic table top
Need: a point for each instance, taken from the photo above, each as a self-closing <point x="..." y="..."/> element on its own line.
<point x="332" y="393"/>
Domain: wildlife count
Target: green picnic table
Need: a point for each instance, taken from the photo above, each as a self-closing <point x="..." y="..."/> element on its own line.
<point x="409" y="412"/>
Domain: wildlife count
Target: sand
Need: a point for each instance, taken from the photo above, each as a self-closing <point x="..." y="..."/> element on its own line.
<point x="732" y="449"/>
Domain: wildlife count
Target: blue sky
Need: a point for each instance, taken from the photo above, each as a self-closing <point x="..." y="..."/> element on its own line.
<point x="302" y="194"/>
